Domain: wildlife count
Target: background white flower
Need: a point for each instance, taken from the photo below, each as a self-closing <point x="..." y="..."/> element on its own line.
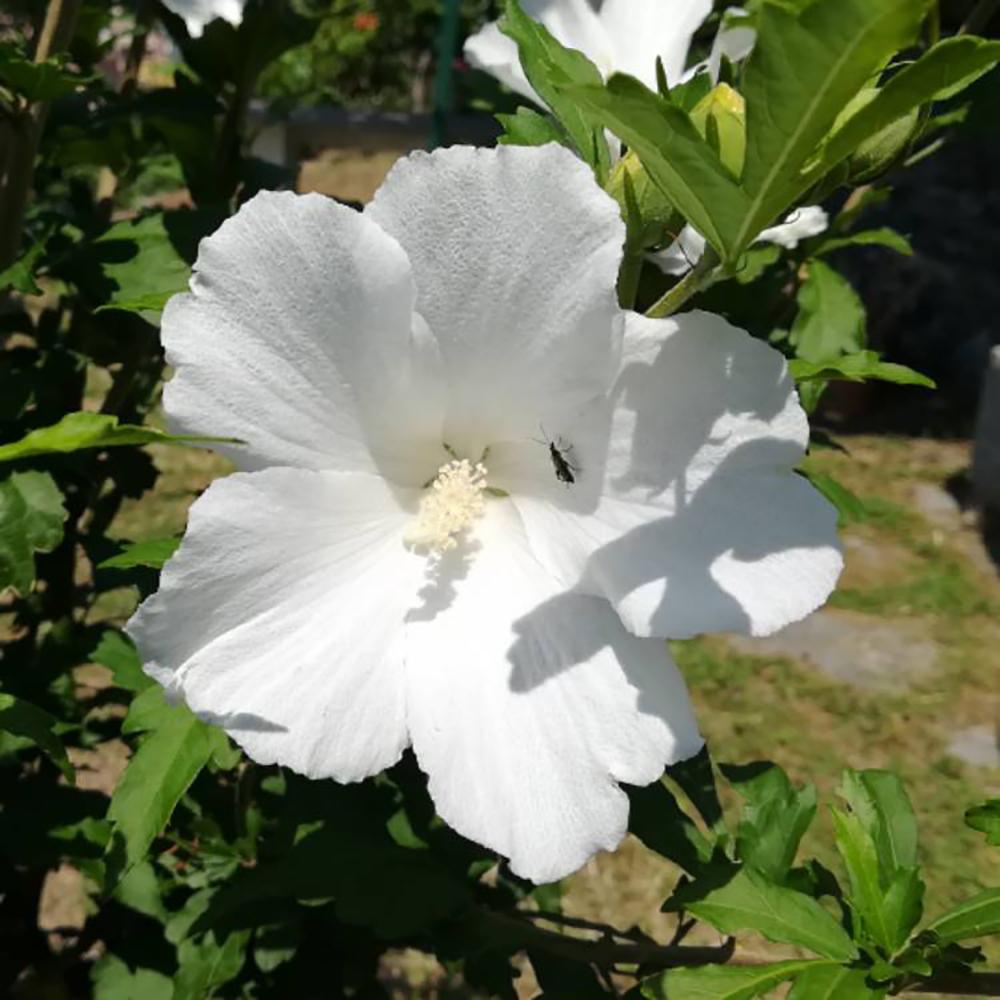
<point x="470" y="310"/>
<point x="623" y="36"/>
<point x="686" y="250"/>
<point x="197" y="13"/>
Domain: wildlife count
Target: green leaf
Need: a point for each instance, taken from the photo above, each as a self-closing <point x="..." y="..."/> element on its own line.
<point x="986" y="819"/>
<point x="883" y="237"/>
<point x="374" y="882"/>
<point x="675" y="156"/>
<point x="660" y="823"/>
<point x="725" y="982"/>
<point x="803" y="71"/>
<point x="833" y="983"/>
<point x="92" y="430"/>
<point x="31" y="520"/>
<point x="143" y="262"/>
<point x="879" y="854"/>
<point x="856" y="367"/>
<point x="529" y="128"/>
<point x="116" y="652"/>
<point x="153" y="553"/>
<point x="976" y="917"/>
<point x="940" y="73"/>
<point x="33" y="723"/>
<point x="549" y="67"/>
<point x="750" y="902"/>
<point x="207" y="963"/>
<point x="879" y="800"/>
<point x="850" y="508"/>
<point x="36" y="81"/>
<point x="112" y="979"/>
<point x="774" y="818"/>
<point x="140" y="891"/>
<point x="696" y="778"/>
<point x="178" y="746"/>
<point x="21" y="274"/>
<point x="831" y="317"/>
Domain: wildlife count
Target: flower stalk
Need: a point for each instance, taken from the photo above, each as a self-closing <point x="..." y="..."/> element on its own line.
<point x="696" y="280"/>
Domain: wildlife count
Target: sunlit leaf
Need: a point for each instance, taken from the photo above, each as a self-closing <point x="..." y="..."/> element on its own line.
<point x="31" y="520"/>
<point x="92" y="430"/>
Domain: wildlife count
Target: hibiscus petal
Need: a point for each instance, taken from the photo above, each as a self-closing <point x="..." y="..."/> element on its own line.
<point x="515" y="253"/>
<point x="527" y="705"/>
<point x="198" y="13"/>
<point x="298" y="337"/>
<point x="701" y="524"/>
<point x="281" y="618"/>
<point x="641" y="31"/>
<point x="573" y="23"/>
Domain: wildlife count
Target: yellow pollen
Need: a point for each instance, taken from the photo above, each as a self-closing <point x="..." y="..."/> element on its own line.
<point x="453" y="501"/>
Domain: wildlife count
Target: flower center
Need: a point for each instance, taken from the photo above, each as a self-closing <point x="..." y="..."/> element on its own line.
<point x="453" y="501"/>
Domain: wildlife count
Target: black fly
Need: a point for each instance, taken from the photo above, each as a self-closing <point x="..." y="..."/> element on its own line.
<point x="559" y="453"/>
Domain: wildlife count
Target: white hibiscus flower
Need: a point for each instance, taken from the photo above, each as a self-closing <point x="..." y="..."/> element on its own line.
<point x="686" y="250"/>
<point x="476" y="496"/>
<point x="619" y="36"/>
<point x="198" y="13"/>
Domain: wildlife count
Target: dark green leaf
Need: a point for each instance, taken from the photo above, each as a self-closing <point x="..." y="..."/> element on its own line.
<point x="883" y="237"/>
<point x="142" y="263"/>
<point x="986" y="819"/>
<point x="833" y="983"/>
<point x="696" y="778"/>
<point x="774" y="818"/>
<point x="91" y="430"/>
<point x="21" y="274"/>
<point x="723" y="982"/>
<point x="116" y="652"/>
<point x="803" y="71"/>
<point x="675" y="155"/>
<point x="153" y="553"/>
<point x="33" y="723"/>
<point x="178" y="746"/>
<point x="112" y="979"/>
<point x="856" y="367"/>
<point x="36" y="81"/>
<point x="976" y="917"/>
<point x="941" y="72"/>
<point x="564" y="978"/>
<point x="529" y="128"/>
<point x="750" y="902"/>
<point x="31" y="520"/>
<point x="549" y="67"/>
<point x="831" y="318"/>
<point x="850" y="508"/>
<point x="660" y="823"/>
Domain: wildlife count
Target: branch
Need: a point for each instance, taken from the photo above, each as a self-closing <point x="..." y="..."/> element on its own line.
<point x="603" y="952"/>
<point x="969" y="984"/>
<point x="519" y="932"/>
<point x="55" y="36"/>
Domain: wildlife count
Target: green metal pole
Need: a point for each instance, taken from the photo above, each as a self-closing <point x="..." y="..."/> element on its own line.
<point x="444" y="76"/>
